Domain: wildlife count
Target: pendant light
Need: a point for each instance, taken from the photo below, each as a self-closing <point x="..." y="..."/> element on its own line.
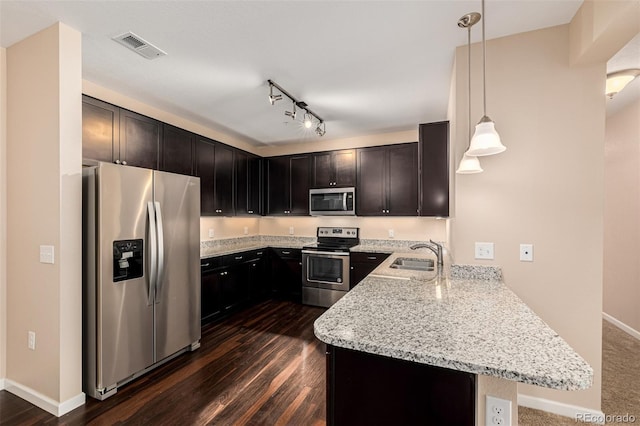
<point x="469" y="164"/>
<point x="486" y="140"/>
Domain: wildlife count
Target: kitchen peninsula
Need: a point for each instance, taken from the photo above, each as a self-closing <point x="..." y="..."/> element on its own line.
<point x="413" y="348"/>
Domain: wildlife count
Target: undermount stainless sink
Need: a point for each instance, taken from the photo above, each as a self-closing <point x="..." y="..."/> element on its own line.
<point x="412" y="264"/>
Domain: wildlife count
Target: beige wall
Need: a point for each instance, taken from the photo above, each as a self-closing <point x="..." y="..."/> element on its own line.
<point x="3" y="210"/>
<point x="546" y="189"/>
<point x="622" y="217"/>
<point x="602" y="27"/>
<point x="44" y="122"/>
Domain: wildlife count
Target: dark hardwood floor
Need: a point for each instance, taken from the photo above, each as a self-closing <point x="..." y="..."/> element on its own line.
<point x="262" y="366"/>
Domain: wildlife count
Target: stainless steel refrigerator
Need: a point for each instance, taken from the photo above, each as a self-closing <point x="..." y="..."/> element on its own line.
<point x="141" y="272"/>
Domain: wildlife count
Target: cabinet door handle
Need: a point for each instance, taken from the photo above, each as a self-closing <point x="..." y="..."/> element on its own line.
<point x="250" y="212"/>
<point x="286" y="252"/>
<point x="259" y="253"/>
<point x="204" y="265"/>
<point x="351" y="267"/>
<point x="372" y="258"/>
<point x="238" y="257"/>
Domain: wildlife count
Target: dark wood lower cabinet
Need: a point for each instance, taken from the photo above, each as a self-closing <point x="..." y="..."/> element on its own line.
<point x="362" y="264"/>
<point x="366" y="389"/>
<point x="231" y="282"/>
<point x="286" y="273"/>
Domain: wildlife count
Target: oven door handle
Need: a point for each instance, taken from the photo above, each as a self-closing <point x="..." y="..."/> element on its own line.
<point x="329" y="253"/>
<point x="344" y="201"/>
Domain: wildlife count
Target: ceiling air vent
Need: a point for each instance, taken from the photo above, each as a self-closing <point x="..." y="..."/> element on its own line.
<point x="139" y="45"/>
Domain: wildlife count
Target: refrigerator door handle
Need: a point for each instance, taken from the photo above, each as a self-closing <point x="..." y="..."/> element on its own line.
<point x="153" y="255"/>
<point x="159" y="225"/>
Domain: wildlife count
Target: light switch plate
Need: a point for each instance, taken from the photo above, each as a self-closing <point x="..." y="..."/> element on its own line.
<point x="484" y="251"/>
<point x="47" y="254"/>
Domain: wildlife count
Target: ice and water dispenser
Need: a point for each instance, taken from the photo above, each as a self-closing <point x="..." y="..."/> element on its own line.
<point x="127" y="260"/>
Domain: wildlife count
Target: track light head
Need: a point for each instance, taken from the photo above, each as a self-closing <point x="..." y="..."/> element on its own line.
<point x="308" y="121"/>
<point x="321" y="129"/>
<point x="274" y="98"/>
<point x="290" y="113"/>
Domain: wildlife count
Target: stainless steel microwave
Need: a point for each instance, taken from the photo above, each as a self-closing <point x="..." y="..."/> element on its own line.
<point x="332" y="201"/>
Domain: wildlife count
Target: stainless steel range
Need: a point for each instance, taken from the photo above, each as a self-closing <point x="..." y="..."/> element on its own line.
<point x="326" y="266"/>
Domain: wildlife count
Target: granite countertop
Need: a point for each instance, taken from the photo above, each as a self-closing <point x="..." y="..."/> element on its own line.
<point x="224" y="246"/>
<point x="468" y="321"/>
<point x="236" y="245"/>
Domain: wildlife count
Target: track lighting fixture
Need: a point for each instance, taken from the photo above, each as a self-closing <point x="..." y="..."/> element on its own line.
<point x="309" y="117"/>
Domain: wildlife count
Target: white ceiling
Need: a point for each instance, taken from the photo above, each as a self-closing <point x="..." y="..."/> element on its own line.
<point x="366" y="67"/>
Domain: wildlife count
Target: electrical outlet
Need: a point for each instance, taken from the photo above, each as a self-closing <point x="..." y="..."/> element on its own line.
<point x="484" y="251"/>
<point x="526" y="252"/>
<point x="46" y="254"/>
<point x="497" y="411"/>
<point x="391" y="233"/>
<point x="211" y="233"/>
<point x="246" y="230"/>
<point x="291" y="230"/>
<point x="31" y="341"/>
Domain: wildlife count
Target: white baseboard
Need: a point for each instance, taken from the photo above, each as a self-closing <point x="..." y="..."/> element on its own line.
<point x="573" y="411"/>
<point x="1" y="384"/>
<point x="622" y="326"/>
<point x="42" y="401"/>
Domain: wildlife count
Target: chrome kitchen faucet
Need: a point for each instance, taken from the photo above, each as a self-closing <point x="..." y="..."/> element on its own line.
<point x="434" y="247"/>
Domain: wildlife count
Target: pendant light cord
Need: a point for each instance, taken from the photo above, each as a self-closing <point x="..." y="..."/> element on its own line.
<point x="484" y="65"/>
<point x="469" y="81"/>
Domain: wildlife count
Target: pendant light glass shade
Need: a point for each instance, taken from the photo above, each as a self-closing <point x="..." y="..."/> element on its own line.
<point x="485" y="141"/>
<point x="469" y="165"/>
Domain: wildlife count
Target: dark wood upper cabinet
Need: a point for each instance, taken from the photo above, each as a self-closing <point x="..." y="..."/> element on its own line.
<point x="387" y="180"/>
<point x="277" y="186"/>
<point x="140" y="138"/>
<point x="299" y="184"/>
<point x="287" y="186"/>
<point x="402" y="180"/>
<point x="114" y="134"/>
<point x="223" y="186"/>
<point x="371" y="192"/>
<point x="214" y="167"/>
<point x="205" y="163"/>
<point x="434" y="169"/>
<point x="177" y="150"/>
<point x="248" y="189"/>
<point x="100" y="130"/>
<point x="334" y="168"/>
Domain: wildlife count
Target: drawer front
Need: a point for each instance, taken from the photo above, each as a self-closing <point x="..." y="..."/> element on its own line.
<point x="362" y="257"/>
<point x="211" y="263"/>
<point x="288" y="253"/>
